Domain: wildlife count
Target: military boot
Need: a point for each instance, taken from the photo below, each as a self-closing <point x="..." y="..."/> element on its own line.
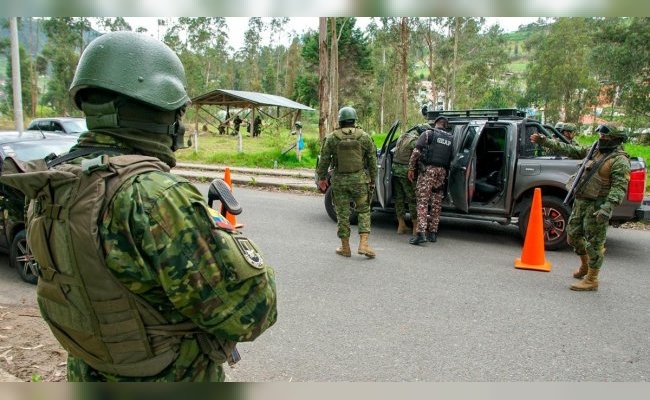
<point x="590" y="282"/>
<point x="401" y="226"/>
<point x="582" y="270"/>
<point x="344" y="250"/>
<point x="432" y="236"/>
<point x="363" y="246"/>
<point x="418" y="238"/>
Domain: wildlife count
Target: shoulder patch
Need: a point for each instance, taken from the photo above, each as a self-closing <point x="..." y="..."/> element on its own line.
<point x="219" y="220"/>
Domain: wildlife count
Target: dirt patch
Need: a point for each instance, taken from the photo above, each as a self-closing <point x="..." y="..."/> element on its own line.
<point x="28" y="350"/>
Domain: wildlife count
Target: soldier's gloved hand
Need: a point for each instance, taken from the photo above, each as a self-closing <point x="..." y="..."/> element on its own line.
<point x="371" y="187"/>
<point x="604" y="213"/>
<point x="323" y="185"/>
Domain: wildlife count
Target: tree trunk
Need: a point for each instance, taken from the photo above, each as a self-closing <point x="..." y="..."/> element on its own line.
<point x="404" y="66"/>
<point x="323" y="79"/>
<point x="334" y="74"/>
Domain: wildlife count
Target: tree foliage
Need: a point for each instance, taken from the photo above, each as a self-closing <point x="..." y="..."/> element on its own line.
<point x="573" y="65"/>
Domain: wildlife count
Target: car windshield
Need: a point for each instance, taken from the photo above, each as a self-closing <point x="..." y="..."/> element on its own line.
<point x="37" y="149"/>
<point x="75" y="126"/>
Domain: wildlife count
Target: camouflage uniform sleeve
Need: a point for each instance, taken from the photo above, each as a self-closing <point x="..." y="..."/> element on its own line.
<point x="619" y="177"/>
<point x="572" y="151"/>
<point x="370" y="156"/>
<point x="326" y="152"/>
<point x="159" y="241"/>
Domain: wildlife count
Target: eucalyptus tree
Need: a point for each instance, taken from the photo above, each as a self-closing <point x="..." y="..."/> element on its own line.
<point x="249" y="56"/>
<point x="620" y="58"/>
<point x="354" y="70"/>
<point x="558" y="74"/>
<point x="67" y="37"/>
<point x="113" y="24"/>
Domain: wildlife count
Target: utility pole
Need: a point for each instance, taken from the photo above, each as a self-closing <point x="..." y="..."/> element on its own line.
<point x="15" y="74"/>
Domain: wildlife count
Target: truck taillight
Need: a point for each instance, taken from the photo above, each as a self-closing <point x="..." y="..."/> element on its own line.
<point x="636" y="187"/>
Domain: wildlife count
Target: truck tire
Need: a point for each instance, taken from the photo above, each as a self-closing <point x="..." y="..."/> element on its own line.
<point x="329" y="207"/>
<point x="21" y="258"/>
<point x="555" y="217"/>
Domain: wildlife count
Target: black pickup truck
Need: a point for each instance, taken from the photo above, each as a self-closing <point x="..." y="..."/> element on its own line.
<point x="495" y="170"/>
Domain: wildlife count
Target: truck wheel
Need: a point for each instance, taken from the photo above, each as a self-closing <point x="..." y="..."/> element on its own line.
<point x="22" y="260"/>
<point x="555" y="216"/>
<point x="329" y="207"/>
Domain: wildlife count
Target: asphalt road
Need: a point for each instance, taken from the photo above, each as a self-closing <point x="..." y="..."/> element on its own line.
<point x="456" y="310"/>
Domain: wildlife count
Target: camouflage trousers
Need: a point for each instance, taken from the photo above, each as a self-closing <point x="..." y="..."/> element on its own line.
<point x="585" y="234"/>
<point x="428" y="198"/>
<point x="404" y="196"/>
<point x="346" y="196"/>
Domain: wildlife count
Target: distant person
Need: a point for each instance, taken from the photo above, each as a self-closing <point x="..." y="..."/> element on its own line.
<point x="431" y="158"/>
<point x="352" y="155"/>
<point x="257" y="127"/>
<point x="602" y="187"/>
<point x="237" y="123"/>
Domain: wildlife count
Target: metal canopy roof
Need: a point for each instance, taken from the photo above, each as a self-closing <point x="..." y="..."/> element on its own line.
<point x="243" y="99"/>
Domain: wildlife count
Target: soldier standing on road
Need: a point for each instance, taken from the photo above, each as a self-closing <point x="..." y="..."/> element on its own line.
<point x="151" y="284"/>
<point x="352" y="155"/>
<point x="403" y="187"/>
<point x="603" y="186"/>
<point x="431" y="158"/>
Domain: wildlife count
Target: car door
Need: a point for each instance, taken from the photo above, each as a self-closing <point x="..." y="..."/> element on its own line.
<point x="462" y="171"/>
<point x="384" y="187"/>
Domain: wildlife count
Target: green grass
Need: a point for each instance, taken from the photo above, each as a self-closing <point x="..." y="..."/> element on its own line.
<point x="262" y="152"/>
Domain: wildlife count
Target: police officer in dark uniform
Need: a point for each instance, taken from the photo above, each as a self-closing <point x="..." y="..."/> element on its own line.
<point x="431" y="158"/>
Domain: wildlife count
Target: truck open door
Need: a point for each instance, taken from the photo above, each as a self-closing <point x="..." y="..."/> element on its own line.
<point x="384" y="186"/>
<point x="462" y="172"/>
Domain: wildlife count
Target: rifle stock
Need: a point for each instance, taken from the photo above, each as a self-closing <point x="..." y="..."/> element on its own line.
<point x="572" y="190"/>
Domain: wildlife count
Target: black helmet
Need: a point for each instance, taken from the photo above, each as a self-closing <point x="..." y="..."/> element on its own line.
<point x="441" y="118"/>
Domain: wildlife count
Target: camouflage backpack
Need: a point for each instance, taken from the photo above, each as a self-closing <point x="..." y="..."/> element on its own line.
<point x="87" y="309"/>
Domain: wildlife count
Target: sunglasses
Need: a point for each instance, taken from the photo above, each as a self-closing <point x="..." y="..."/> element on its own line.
<point x="603" y="129"/>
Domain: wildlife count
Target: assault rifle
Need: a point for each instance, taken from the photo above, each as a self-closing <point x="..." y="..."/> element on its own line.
<point x="578" y="175"/>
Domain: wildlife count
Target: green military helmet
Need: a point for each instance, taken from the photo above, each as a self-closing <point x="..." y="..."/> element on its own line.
<point x="568" y="127"/>
<point x="559" y="126"/>
<point x="347" y="113"/>
<point x="135" y="65"/>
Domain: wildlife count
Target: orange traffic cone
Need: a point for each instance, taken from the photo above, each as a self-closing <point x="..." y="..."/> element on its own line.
<point x="532" y="256"/>
<point x="230" y="217"/>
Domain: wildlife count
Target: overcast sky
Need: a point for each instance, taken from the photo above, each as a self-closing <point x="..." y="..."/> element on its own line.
<point x="238" y="25"/>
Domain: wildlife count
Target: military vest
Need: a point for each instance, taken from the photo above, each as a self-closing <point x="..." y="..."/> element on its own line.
<point x="439" y="148"/>
<point x="597" y="184"/>
<point x="404" y="148"/>
<point x="92" y="315"/>
<point x="349" y="153"/>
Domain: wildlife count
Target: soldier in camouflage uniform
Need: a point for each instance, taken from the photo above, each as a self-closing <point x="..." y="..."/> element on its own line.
<point x="403" y="188"/>
<point x="157" y="232"/>
<point x="431" y="158"/>
<point x="352" y="155"/>
<point x="569" y="132"/>
<point x="603" y="186"/>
